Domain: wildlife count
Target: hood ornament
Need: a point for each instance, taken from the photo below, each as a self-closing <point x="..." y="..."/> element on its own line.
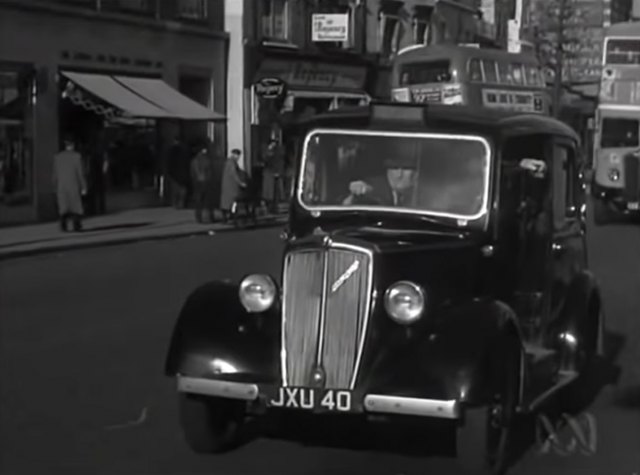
<point x="345" y="276"/>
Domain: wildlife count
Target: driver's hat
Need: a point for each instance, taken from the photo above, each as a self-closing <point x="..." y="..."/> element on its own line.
<point x="401" y="161"/>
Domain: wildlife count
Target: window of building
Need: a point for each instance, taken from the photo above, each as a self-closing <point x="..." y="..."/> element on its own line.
<point x="389" y="34"/>
<point x="276" y="20"/>
<point x="17" y="101"/>
<point x="192" y="9"/>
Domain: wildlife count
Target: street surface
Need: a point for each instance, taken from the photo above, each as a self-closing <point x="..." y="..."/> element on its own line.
<point x="83" y="340"/>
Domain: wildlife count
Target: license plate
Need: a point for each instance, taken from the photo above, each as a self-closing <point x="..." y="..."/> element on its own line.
<point x="633" y="206"/>
<point x="309" y="399"/>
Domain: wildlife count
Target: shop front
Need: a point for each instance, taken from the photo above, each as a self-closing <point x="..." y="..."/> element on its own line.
<point x="116" y="121"/>
<point x="111" y="81"/>
<point x="17" y="105"/>
<point x="308" y="87"/>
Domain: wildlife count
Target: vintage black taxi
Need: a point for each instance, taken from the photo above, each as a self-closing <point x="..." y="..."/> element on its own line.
<point x="434" y="272"/>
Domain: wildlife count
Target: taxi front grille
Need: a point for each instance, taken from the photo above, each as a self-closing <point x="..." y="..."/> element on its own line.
<point x="327" y="295"/>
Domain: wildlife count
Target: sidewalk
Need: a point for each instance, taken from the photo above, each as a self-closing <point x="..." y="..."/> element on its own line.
<point x="116" y="228"/>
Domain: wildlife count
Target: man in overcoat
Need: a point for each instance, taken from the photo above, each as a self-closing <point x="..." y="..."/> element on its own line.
<point x="70" y="185"/>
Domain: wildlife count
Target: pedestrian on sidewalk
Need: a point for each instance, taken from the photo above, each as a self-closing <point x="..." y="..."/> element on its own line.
<point x="201" y="177"/>
<point x="232" y="184"/>
<point x="70" y="185"/>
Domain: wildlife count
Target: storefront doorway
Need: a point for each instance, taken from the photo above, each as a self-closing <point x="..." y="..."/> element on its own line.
<point x="17" y="93"/>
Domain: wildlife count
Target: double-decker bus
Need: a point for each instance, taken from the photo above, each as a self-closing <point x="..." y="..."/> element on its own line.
<point x="469" y="75"/>
<point x="617" y="136"/>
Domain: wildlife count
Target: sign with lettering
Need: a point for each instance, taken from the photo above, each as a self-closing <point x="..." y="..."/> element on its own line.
<point x="522" y="101"/>
<point x="426" y="94"/>
<point x="315" y="74"/>
<point x="270" y="88"/>
<point x="330" y="27"/>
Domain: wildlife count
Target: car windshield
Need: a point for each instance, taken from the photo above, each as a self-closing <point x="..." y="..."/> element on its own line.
<point x="441" y="175"/>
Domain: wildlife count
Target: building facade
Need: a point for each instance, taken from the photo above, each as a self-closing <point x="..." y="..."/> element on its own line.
<point x="290" y="59"/>
<point x="178" y="43"/>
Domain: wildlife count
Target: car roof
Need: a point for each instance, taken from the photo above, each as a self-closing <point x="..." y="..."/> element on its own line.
<point x="441" y="118"/>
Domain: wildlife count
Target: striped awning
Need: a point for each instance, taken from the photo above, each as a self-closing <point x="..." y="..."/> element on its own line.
<point x="138" y="97"/>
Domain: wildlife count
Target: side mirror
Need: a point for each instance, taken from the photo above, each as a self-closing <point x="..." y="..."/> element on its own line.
<point x="534" y="167"/>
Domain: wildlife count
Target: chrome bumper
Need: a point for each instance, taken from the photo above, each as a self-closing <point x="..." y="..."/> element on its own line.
<point x="373" y="403"/>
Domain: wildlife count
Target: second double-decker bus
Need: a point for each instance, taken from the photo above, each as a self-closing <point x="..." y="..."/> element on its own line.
<point x="616" y="154"/>
<point x="469" y="75"/>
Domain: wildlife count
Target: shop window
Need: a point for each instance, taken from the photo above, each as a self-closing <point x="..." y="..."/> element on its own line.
<point x="421" y="31"/>
<point x="193" y="9"/>
<point x="389" y="34"/>
<point x="17" y="101"/>
<point x="275" y="20"/>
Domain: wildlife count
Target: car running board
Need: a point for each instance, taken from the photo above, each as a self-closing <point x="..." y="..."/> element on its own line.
<point x="565" y="377"/>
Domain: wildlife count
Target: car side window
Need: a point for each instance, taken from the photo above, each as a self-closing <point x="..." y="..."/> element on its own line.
<point x="565" y="185"/>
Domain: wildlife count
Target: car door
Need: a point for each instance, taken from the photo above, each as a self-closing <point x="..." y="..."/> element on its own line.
<point x="568" y="246"/>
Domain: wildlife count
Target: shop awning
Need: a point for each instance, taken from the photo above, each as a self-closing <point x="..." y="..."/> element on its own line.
<point x="141" y="97"/>
<point x="160" y="93"/>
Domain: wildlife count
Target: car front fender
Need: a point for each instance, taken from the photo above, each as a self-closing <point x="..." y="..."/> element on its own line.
<point x="215" y="337"/>
<point x="461" y="356"/>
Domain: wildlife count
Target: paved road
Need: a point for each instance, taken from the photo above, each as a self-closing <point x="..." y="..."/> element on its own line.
<point x="83" y="337"/>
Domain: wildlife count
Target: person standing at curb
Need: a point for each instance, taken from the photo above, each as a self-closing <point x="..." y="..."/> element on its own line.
<point x="231" y="184"/>
<point x="70" y="185"/>
<point x="201" y="177"/>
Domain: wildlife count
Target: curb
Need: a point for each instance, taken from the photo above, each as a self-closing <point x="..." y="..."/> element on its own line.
<point x="8" y="255"/>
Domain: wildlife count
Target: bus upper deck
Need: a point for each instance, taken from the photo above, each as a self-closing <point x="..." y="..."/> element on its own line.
<point x="457" y="74"/>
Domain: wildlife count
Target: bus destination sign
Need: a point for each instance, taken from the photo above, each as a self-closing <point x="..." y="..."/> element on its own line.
<point x="522" y="101"/>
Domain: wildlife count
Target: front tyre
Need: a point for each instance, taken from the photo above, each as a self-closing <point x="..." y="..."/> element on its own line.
<point x="483" y="441"/>
<point x="211" y="425"/>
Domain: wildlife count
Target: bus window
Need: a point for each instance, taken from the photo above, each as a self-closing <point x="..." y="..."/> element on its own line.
<point x="620" y="133"/>
<point x="490" y="70"/>
<point x="517" y="74"/>
<point x="424" y="73"/>
<point x="475" y="70"/>
<point x="504" y="70"/>
<point x="532" y="75"/>
<point x="623" y="52"/>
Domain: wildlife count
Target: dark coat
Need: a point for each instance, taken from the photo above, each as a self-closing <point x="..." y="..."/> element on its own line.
<point x="231" y="184"/>
<point x="69" y="181"/>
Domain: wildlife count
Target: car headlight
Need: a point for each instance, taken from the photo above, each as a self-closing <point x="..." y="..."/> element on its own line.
<point x="257" y="293"/>
<point x="404" y="302"/>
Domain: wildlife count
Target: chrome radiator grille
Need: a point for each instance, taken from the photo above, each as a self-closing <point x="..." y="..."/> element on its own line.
<point x="327" y="296"/>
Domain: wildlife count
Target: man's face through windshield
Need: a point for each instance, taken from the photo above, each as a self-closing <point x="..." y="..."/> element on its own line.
<point x="401" y="179"/>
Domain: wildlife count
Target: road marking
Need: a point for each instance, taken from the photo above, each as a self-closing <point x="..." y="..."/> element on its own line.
<point x="137" y="422"/>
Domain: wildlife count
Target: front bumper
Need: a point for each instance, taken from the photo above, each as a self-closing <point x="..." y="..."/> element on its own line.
<point x="371" y="403"/>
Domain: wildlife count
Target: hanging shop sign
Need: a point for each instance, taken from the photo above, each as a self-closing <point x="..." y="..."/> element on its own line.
<point x="270" y="88"/>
